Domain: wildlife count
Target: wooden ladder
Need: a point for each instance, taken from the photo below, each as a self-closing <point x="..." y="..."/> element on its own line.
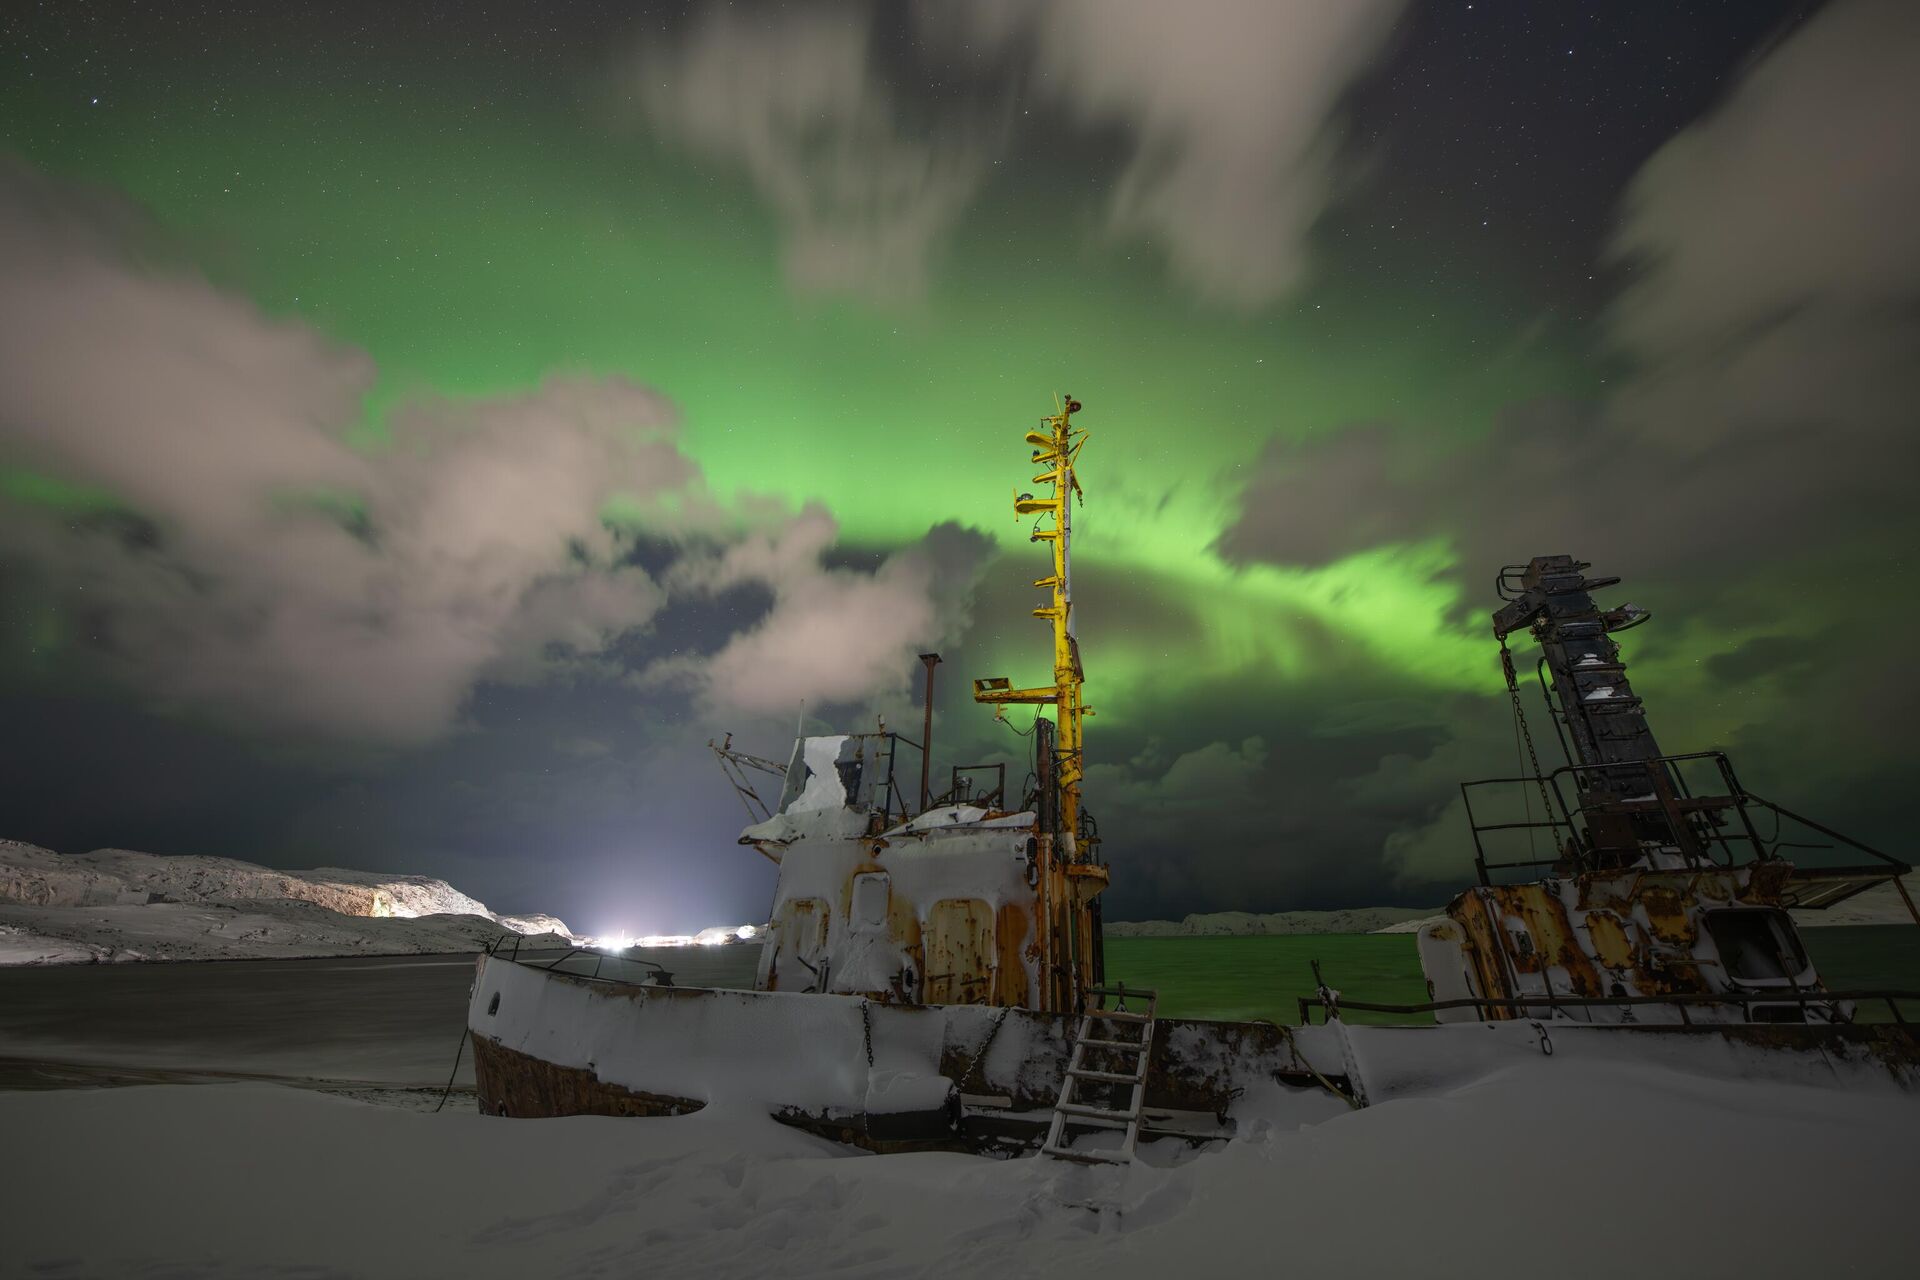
<point x="1102" y="1031"/>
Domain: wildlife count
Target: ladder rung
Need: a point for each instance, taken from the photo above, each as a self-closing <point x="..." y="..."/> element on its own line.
<point x="1119" y="1015"/>
<point x="1090" y="1122"/>
<point x="1088" y="1156"/>
<point x="1084" y="1073"/>
<point x="1067" y="1112"/>
<point x="1095" y="1113"/>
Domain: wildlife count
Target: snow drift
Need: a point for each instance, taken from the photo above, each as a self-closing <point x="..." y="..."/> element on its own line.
<point x="262" y="1180"/>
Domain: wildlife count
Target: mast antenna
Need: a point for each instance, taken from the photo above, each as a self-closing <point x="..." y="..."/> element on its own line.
<point x="1056" y="447"/>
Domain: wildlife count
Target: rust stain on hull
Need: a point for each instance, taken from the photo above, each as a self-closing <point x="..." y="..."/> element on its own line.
<point x="514" y="1084"/>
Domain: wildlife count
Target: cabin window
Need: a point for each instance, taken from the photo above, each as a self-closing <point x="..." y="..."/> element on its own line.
<point x="1758" y="945"/>
<point x="850" y="771"/>
<point x="869" y="906"/>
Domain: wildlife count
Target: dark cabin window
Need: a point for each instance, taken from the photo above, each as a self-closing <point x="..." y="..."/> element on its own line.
<point x="1757" y="945"/>
<point x="850" y="778"/>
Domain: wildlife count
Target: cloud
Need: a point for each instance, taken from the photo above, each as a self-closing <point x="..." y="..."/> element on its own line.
<point x="1230" y="106"/>
<point x="1798" y="192"/>
<point x="1777" y="269"/>
<point x="1551" y="477"/>
<point x="250" y="566"/>
<point x="796" y="101"/>
<point x="1751" y="466"/>
<point x="832" y="635"/>
<point x="1770" y="337"/>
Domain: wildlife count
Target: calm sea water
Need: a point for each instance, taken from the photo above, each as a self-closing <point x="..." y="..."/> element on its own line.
<point x="1264" y="977"/>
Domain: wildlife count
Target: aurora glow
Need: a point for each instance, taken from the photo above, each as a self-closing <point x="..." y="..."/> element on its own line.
<point x="481" y="205"/>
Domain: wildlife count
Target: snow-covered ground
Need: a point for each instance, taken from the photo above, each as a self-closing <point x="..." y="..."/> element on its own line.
<point x="1577" y="1168"/>
<point x="119" y="905"/>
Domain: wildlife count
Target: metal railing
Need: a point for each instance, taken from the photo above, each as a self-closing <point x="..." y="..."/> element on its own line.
<point x="508" y="947"/>
<point x="883" y="794"/>
<point x="1700" y="815"/>
<point x="961" y="790"/>
<point x="1682" y="1000"/>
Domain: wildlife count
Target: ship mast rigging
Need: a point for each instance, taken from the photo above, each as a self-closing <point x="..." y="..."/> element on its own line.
<point x="1056" y="446"/>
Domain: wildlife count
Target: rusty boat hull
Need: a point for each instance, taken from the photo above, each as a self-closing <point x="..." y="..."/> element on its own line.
<point x="893" y="1076"/>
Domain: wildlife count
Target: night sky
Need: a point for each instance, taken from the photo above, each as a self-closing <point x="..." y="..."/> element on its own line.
<point x="423" y="427"/>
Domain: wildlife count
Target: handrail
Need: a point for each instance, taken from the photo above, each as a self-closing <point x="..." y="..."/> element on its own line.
<point x="498" y="949"/>
<point x="1736" y="798"/>
<point x="1521" y="1003"/>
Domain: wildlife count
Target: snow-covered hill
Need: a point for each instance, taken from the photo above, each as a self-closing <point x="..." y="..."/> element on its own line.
<point x="117" y="904"/>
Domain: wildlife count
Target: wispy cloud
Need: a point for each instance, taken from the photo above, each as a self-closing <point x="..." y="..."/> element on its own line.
<point x="257" y="569"/>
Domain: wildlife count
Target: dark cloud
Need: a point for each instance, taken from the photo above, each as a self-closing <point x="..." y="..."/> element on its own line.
<point x="1553" y="477"/>
<point x="1776" y="655"/>
<point x="225" y="579"/>
<point x="797" y="101"/>
<point x="254" y="566"/>
<point x="307" y="624"/>
<point x="832" y="636"/>
<point x="1769" y="333"/>
<point x="1748" y="469"/>
<point x="1229" y="107"/>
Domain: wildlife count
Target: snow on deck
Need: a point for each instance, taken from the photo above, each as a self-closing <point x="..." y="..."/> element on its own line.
<point x="248" y="1180"/>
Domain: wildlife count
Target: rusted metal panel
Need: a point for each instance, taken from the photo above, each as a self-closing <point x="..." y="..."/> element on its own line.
<point x="515" y="1084"/>
<point x="1013" y="944"/>
<point x="1613" y="948"/>
<point x="510" y="1083"/>
<point x="960" y="952"/>
<point x="1619" y="934"/>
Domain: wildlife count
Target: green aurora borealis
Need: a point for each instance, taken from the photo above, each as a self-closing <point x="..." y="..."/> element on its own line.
<point x="481" y="210"/>
<point x="474" y="251"/>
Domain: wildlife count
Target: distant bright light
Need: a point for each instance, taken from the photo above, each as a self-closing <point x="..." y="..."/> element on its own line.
<point x="718" y="936"/>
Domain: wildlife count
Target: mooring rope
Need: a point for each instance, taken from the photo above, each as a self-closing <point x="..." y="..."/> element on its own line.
<point x="457" y="1051"/>
<point x="1293" y="1050"/>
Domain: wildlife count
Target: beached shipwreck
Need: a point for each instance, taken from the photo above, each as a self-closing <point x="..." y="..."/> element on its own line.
<point x="932" y="974"/>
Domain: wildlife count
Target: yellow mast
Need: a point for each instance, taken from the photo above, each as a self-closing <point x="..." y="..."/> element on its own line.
<point x="1069" y="881"/>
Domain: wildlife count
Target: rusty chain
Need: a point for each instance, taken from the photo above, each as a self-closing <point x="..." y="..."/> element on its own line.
<point x="981" y="1052"/>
